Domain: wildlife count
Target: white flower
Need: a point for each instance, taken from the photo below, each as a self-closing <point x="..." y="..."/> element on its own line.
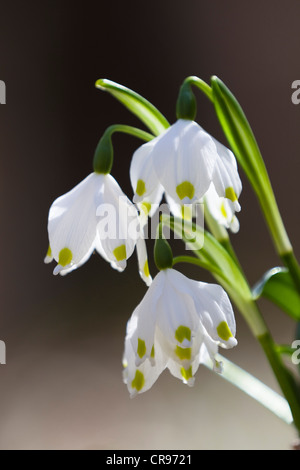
<point x="95" y="214"/>
<point x="221" y="209"/>
<point x="183" y="162"/>
<point x="177" y="324"/>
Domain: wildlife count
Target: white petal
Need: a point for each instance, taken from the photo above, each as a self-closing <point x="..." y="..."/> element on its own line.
<point x="183" y="211"/>
<point x="226" y="177"/>
<point x="72" y="220"/>
<point x="140" y="379"/>
<point x="215" y="312"/>
<point x="118" y="228"/>
<point x="234" y="225"/>
<point x="144" y="181"/>
<point x="63" y="271"/>
<point x="142" y="324"/>
<point x="221" y="209"/>
<point x="184" y="155"/>
<point x="143" y="261"/>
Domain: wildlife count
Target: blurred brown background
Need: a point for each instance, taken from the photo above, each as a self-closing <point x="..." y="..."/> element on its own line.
<point x="62" y="386"/>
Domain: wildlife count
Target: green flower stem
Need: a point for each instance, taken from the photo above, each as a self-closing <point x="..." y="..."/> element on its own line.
<point x="134" y="131"/>
<point x="198" y="262"/>
<point x="291" y="263"/>
<point x="104" y="153"/>
<point x="284" y="377"/>
<point x="220" y="233"/>
<point x="201" y="84"/>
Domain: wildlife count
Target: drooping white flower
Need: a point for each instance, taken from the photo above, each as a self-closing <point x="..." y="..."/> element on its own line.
<point x="180" y="161"/>
<point x="177" y="324"/>
<point x="76" y="225"/>
<point x="184" y="162"/>
<point x="221" y="209"/>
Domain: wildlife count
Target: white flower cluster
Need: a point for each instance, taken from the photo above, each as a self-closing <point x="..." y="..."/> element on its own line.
<point x="180" y="322"/>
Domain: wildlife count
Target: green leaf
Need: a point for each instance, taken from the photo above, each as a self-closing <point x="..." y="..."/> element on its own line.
<point x="243" y="143"/>
<point x="238" y="132"/>
<point x="208" y="249"/>
<point x="253" y="388"/>
<point x="277" y="285"/>
<point x="138" y="105"/>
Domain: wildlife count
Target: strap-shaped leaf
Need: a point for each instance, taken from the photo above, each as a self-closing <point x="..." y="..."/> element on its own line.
<point x="277" y="285"/>
<point x="253" y="387"/>
<point x="208" y="249"/>
<point x="243" y="143"/>
<point x="138" y="105"/>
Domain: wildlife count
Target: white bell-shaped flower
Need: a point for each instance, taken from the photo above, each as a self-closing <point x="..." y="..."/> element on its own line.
<point x="177" y="325"/>
<point x="95" y="214"/>
<point x="221" y="209"/>
<point x="183" y="162"/>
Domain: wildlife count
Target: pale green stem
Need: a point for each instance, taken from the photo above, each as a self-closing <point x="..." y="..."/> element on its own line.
<point x="201" y="84"/>
<point x="200" y="263"/>
<point x="134" y="131"/>
<point x="254" y="388"/>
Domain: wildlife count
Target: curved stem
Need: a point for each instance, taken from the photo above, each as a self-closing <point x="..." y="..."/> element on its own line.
<point x="198" y="262"/>
<point x="134" y="131"/>
<point x="291" y="263"/>
<point x="254" y="388"/>
<point x="104" y="153"/>
<point x="201" y="84"/>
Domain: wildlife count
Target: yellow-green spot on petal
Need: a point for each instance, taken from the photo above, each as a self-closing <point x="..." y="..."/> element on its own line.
<point x="141" y="349"/>
<point x="138" y="381"/>
<point x="49" y="252"/>
<point x="146" y="269"/>
<point x="65" y="257"/>
<point x="183" y="353"/>
<point x="223" y="210"/>
<point x="186" y="373"/>
<point x="152" y="352"/>
<point x="183" y="332"/>
<point x="185" y="189"/>
<point x="140" y="187"/>
<point x="146" y="207"/>
<point x="230" y="194"/>
<point x="120" y="253"/>
<point x="224" y="331"/>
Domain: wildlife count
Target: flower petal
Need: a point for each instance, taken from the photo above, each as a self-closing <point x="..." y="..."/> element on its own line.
<point x="140" y="379"/>
<point x="118" y="228"/>
<point x="184" y="159"/>
<point x="145" y="184"/>
<point x="221" y="209"/>
<point x="143" y="261"/>
<point x="226" y="178"/>
<point x="215" y="312"/>
<point x="142" y="324"/>
<point x="72" y="222"/>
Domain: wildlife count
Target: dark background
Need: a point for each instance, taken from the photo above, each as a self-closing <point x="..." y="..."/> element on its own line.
<point x="62" y="385"/>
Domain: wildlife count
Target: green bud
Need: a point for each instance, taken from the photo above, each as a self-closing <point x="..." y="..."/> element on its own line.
<point x="186" y="106"/>
<point x="163" y="255"/>
<point x="103" y="158"/>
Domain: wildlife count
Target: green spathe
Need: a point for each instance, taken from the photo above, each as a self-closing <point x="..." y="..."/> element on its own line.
<point x="163" y="256"/>
<point x="186" y="106"/>
<point x="104" y="155"/>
